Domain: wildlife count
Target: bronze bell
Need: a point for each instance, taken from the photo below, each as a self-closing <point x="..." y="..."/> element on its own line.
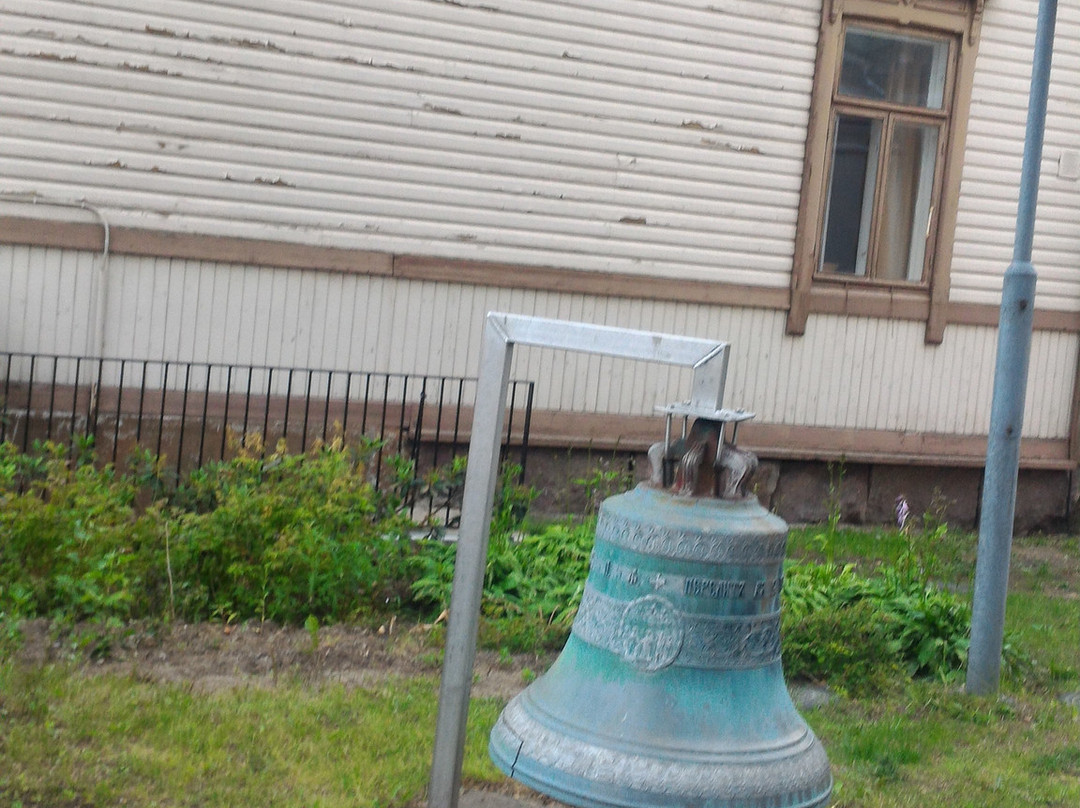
<point x="670" y="691"/>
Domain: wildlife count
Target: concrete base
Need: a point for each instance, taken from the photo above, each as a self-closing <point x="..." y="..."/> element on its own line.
<point x="522" y="798"/>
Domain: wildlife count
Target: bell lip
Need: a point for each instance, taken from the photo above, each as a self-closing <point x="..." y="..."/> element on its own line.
<point x="801" y="778"/>
<point x="578" y="791"/>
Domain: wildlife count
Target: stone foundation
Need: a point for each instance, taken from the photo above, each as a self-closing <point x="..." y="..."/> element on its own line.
<point x="805" y="491"/>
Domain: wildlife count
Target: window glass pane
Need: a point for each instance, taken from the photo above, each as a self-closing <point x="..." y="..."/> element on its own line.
<point x="894" y="68"/>
<point x="905" y="214"/>
<point x="851" y="195"/>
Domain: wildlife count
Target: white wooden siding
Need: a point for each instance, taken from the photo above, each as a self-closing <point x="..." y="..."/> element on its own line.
<point x="636" y="136"/>
<point x="853" y="373"/>
<point x="655" y="137"/>
<point x="986" y="219"/>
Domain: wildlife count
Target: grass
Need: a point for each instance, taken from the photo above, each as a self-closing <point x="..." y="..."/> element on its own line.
<point x="929" y="745"/>
<point x="1042" y="610"/>
<point x="1048" y="628"/>
<point x="951" y="555"/>
<point x="71" y="739"/>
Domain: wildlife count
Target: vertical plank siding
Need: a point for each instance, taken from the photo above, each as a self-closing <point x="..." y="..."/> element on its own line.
<point x="851" y="373"/>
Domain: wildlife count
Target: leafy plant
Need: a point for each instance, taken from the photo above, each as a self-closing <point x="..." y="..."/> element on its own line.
<point x="307" y="539"/>
<point x="311" y="624"/>
<point x="74" y="544"/>
<point x="602" y="482"/>
<point x="850" y="647"/>
<point x="264" y="535"/>
<point x="839" y="625"/>
<point x="285" y="536"/>
<point x="441" y="489"/>
<point x="532" y="585"/>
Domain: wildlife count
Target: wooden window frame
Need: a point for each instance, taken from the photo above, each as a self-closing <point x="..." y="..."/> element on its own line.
<point x="816" y="292"/>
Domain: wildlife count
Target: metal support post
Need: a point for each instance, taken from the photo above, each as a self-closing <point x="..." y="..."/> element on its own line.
<point x="1010" y="387"/>
<point x="470" y="561"/>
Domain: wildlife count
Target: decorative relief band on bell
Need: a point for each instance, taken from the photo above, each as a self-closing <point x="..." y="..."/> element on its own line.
<point x="689" y="586"/>
<point x="667" y="542"/>
<point x="651" y="634"/>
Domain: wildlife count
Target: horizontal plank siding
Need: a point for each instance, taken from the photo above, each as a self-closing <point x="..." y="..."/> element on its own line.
<point x="986" y="219"/>
<point x="658" y="138"/>
<point x="651" y="138"/>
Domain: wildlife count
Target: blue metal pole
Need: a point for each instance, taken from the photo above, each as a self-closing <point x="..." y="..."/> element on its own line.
<point x="1010" y="387"/>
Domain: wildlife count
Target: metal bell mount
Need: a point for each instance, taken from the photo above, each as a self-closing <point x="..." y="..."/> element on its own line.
<point x="670" y="691"/>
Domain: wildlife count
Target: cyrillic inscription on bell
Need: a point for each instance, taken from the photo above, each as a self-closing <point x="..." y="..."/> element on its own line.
<point x="670" y="691"/>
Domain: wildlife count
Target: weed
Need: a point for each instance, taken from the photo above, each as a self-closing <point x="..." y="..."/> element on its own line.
<point x="312" y="626"/>
<point x="602" y="482"/>
<point x="11" y="635"/>
<point x="306" y="539"/>
<point x="851" y="648"/>
<point x="431" y="659"/>
<point x="856" y="631"/>
<point x="511" y="506"/>
<point x="934" y="522"/>
<point x="442" y="489"/>
<point x="532" y="586"/>
<point x="826" y="539"/>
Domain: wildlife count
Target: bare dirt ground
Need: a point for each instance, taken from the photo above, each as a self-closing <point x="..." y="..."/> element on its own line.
<point x="212" y="656"/>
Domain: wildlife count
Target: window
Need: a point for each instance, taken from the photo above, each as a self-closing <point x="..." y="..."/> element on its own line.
<point x="890" y="92"/>
<point x="883" y="157"/>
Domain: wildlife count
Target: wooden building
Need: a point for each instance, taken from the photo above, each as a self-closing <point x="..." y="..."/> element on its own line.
<point x="830" y="185"/>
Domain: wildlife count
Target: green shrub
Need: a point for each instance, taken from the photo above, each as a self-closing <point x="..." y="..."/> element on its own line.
<point x="848" y="646"/>
<point x="925" y="630"/>
<point x="932" y="627"/>
<point x="73" y="546"/>
<point x="282" y="537"/>
<point x="274" y="536"/>
<point x="532" y="584"/>
<point x="296" y="538"/>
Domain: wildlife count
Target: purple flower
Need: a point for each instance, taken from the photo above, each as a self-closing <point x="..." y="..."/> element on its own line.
<point x="902" y="512"/>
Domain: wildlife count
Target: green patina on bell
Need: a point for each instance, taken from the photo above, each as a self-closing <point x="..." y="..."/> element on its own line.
<point x="670" y="690"/>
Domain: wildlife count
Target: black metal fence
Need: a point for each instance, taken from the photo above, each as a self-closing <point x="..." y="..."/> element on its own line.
<point x="194" y="412"/>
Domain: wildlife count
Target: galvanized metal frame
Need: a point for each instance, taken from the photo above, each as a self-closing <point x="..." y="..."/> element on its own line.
<point x="708" y="358"/>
